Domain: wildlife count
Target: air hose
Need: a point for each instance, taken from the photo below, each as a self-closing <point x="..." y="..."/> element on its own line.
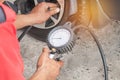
<point x="24" y="32"/>
<point x="99" y="48"/>
<point x="101" y="53"/>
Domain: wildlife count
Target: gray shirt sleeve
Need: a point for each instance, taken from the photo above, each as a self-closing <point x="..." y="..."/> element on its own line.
<point x="2" y="15"/>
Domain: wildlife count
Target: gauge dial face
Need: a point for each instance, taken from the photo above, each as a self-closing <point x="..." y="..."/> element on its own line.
<point x="59" y="37"/>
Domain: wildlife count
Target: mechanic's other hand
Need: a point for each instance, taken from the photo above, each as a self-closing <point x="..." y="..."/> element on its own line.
<point x="47" y="69"/>
<point x="40" y="13"/>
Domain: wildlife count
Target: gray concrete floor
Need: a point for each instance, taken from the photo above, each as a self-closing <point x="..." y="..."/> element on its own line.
<point x="84" y="62"/>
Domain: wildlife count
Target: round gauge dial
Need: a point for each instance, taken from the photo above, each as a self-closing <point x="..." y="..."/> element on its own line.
<point x="62" y="38"/>
<point x="59" y="37"/>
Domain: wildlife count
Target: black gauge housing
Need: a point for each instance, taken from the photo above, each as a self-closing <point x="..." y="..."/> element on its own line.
<point x="69" y="45"/>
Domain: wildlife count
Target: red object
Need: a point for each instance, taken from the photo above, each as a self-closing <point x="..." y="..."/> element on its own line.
<point x="11" y="65"/>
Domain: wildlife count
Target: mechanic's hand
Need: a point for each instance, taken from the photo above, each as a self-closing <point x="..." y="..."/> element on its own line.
<point x="38" y="15"/>
<point x="41" y="14"/>
<point x="47" y="69"/>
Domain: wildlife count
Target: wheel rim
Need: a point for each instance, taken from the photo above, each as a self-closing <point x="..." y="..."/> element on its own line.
<point x="53" y="20"/>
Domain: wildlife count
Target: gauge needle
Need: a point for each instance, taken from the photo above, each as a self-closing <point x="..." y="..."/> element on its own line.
<point x="57" y="38"/>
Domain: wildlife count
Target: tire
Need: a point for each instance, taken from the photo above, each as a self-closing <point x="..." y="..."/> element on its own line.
<point x="41" y="34"/>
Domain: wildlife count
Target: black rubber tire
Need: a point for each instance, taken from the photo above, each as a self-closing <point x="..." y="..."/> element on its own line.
<point x="25" y="6"/>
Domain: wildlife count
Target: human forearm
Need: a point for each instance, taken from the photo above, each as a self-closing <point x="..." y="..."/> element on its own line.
<point x="24" y="20"/>
<point x="39" y="75"/>
<point x="1" y="0"/>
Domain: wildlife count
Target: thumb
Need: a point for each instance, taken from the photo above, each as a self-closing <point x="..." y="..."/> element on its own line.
<point x="53" y="10"/>
<point x="43" y="56"/>
<point x="45" y="51"/>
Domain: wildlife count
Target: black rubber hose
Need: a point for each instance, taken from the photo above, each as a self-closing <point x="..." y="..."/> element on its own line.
<point x="99" y="47"/>
<point x="100" y="50"/>
<point x="101" y="53"/>
<point x="24" y="32"/>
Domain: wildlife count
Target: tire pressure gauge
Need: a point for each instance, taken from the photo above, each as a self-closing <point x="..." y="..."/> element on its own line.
<point x="61" y="39"/>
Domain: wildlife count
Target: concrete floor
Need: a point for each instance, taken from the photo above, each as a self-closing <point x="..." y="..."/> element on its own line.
<point x="84" y="62"/>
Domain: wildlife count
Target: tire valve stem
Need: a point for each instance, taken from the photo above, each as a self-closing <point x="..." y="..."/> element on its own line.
<point x="53" y="50"/>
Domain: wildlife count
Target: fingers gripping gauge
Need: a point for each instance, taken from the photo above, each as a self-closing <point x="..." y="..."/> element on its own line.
<point x="61" y="39"/>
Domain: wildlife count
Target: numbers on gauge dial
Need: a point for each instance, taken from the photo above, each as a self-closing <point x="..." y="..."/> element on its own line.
<point x="59" y="37"/>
